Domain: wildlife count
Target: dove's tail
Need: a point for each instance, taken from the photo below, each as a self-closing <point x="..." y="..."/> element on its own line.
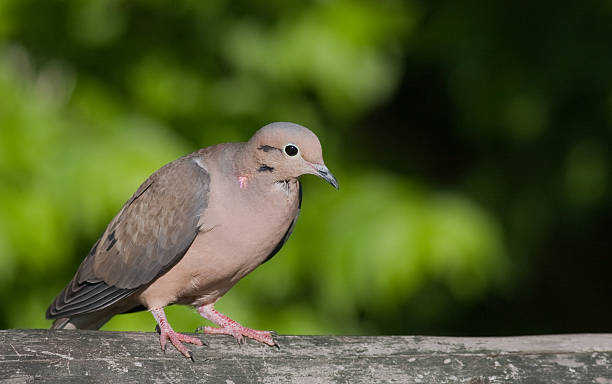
<point x="93" y="320"/>
<point x="62" y="323"/>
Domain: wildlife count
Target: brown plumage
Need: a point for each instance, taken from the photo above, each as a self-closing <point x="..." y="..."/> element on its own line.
<point x="192" y="230"/>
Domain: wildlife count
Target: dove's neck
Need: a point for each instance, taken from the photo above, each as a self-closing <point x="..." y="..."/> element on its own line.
<point x="251" y="171"/>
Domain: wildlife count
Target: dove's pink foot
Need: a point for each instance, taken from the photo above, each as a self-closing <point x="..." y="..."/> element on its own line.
<point x="167" y="333"/>
<point x="228" y="326"/>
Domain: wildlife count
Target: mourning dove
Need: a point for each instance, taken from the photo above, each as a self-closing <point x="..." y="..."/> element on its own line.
<point x="192" y="230"/>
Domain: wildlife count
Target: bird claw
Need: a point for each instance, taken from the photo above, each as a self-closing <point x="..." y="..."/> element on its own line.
<point x="274" y="336"/>
<point x="230" y="327"/>
<point x="240" y="339"/>
<point x="266" y="337"/>
<point x="239" y="332"/>
<point x="177" y="340"/>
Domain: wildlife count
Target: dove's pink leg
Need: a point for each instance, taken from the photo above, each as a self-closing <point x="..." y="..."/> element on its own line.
<point x="166" y="332"/>
<point x="228" y="326"/>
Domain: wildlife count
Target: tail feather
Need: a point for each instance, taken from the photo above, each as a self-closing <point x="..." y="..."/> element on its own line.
<point x="92" y="320"/>
<point x="61" y="323"/>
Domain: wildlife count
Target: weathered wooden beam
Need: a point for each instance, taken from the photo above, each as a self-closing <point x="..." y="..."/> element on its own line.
<point x="94" y="356"/>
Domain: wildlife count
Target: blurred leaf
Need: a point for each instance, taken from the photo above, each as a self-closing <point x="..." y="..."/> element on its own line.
<point x="587" y="173"/>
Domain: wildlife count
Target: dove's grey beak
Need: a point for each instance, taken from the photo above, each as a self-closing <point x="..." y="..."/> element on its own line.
<point x="323" y="172"/>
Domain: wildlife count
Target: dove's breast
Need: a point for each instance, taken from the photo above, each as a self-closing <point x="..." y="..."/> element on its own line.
<point x="238" y="231"/>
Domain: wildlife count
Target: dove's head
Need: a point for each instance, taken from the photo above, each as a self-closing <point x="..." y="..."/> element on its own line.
<point x="286" y="151"/>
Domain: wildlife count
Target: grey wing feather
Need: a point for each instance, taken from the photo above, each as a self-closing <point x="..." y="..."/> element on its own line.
<point x="149" y="235"/>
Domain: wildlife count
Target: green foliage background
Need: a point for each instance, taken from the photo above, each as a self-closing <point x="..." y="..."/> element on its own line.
<point x="471" y="141"/>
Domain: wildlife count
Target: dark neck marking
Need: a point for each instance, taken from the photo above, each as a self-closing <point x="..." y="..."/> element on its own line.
<point x="265" y="168"/>
<point x="267" y="148"/>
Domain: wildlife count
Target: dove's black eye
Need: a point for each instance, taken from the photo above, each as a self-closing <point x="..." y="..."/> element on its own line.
<point x="291" y="150"/>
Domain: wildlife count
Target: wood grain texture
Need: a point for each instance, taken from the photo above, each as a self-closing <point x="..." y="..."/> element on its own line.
<point x="125" y="357"/>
